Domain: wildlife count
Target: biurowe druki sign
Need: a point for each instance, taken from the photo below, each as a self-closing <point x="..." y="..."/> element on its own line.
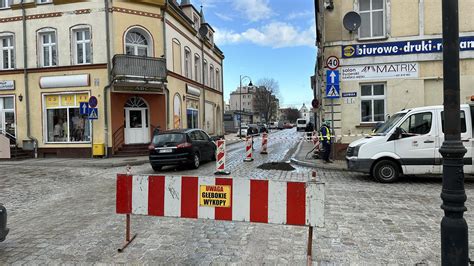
<point x="380" y="71"/>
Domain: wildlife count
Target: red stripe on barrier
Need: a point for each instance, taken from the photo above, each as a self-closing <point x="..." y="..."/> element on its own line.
<point x="295" y="203"/>
<point x="189" y="197"/>
<point x="156" y="195"/>
<point x="124" y="194"/>
<point x="259" y="201"/>
<point x="220" y="156"/>
<point x="224" y="213"/>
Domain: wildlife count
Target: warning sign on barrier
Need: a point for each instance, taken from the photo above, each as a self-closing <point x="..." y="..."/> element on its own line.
<point x="215" y="196"/>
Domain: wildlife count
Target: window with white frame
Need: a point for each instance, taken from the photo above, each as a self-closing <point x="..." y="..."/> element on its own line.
<point x="137" y="42"/>
<point x="187" y="62"/>
<point x="197" y="68"/>
<point x="205" y="72"/>
<point x="218" y="80"/>
<point x="7" y="52"/>
<point x="372" y="106"/>
<point x="372" y="13"/>
<point x="211" y="73"/>
<point x="4" y="3"/>
<point x="82" y="46"/>
<point x="48" y="51"/>
<point x="63" y="121"/>
<point x="43" y="1"/>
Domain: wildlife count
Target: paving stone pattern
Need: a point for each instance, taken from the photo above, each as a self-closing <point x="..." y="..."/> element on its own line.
<point x="67" y="215"/>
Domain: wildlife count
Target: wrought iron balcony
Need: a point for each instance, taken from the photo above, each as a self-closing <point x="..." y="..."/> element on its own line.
<point x="130" y="69"/>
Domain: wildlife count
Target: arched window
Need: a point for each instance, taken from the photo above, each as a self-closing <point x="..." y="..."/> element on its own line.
<point x="218" y="80"/>
<point x="7" y="50"/>
<point x="47" y="44"/>
<point x="187" y="62"/>
<point x="138" y="42"/>
<point x="177" y="56"/>
<point x="135" y="102"/>
<point x="211" y="73"/>
<point x="197" y="68"/>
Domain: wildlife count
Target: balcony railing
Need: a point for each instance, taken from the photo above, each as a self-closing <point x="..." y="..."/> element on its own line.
<point x="138" y="68"/>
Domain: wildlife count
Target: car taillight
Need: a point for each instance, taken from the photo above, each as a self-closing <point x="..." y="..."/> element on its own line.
<point x="184" y="145"/>
<point x="151" y="147"/>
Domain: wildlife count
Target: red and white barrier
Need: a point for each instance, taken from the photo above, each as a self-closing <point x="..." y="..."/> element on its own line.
<point x="248" y="149"/>
<point x="263" y="201"/>
<point x="264" y="143"/>
<point x="220" y="158"/>
<point x="220" y="198"/>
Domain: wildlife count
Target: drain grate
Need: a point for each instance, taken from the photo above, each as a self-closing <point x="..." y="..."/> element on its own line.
<point x="282" y="166"/>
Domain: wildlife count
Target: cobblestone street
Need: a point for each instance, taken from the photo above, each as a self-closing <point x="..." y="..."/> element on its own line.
<point x="67" y="215"/>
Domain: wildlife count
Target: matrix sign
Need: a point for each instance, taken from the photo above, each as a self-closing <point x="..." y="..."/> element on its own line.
<point x="214" y="196"/>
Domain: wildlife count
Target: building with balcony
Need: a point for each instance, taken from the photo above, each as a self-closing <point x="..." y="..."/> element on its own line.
<point x="144" y="61"/>
<point x="391" y="62"/>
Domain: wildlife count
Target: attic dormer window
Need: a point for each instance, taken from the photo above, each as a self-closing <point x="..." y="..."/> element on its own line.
<point x="197" y="24"/>
<point x="211" y="37"/>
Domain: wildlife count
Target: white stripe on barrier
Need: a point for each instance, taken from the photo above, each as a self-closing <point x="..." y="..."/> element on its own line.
<point x="140" y="195"/>
<point x="241" y="194"/>
<point x="276" y="199"/>
<point x="206" y="212"/>
<point x="173" y="196"/>
<point x="315" y="199"/>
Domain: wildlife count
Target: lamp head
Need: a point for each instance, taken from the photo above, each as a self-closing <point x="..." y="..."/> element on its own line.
<point x="250" y="84"/>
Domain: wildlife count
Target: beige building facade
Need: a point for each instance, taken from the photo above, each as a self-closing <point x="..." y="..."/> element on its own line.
<point x="56" y="55"/>
<point x="391" y="62"/>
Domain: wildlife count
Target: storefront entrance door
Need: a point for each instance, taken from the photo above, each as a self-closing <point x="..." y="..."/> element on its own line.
<point x="7" y="116"/>
<point x="136" y="126"/>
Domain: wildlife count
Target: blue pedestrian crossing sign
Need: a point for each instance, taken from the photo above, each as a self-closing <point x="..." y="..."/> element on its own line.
<point x="332" y="91"/>
<point x="84" y="108"/>
<point x="93" y="113"/>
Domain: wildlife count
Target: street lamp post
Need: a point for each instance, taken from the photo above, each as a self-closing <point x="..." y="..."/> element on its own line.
<point x="240" y="100"/>
<point x="454" y="231"/>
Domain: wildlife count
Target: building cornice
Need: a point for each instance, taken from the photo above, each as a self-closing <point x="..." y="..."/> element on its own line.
<point x="53" y="69"/>
<point x="192" y="82"/>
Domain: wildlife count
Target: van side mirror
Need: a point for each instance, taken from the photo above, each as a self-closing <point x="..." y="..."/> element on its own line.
<point x="397" y="134"/>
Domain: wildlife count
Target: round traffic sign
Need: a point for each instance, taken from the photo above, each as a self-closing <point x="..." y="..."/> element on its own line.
<point x="92" y="101"/>
<point x="332" y="62"/>
<point x="315" y="103"/>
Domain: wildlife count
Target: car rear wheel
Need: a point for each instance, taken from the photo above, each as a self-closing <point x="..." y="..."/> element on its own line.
<point x="196" y="161"/>
<point x="156" y="167"/>
<point x="386" y="171"/>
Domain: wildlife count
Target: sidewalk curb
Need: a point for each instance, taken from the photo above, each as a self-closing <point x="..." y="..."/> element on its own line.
<point x="313" y="165"/>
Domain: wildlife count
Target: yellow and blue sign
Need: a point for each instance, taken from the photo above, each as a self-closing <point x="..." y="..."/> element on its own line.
<point x="403" y="47"/>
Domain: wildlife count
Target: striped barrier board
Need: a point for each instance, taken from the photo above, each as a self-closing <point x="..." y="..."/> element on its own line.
<point x="222" y="198"/>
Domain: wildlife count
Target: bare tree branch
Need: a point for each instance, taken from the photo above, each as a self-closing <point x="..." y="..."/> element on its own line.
<point x="265" y="100"/>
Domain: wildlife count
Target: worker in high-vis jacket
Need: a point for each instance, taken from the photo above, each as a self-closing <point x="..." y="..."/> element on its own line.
<point x="325" y="138"/>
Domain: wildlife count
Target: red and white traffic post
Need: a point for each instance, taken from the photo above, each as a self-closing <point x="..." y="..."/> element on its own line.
<point x="248" y="150"/>
<point x="264" y="143"/>
<point x="220" y="158"/>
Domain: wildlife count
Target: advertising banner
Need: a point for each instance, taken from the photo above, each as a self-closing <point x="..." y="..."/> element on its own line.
<point x="380" y="71"/>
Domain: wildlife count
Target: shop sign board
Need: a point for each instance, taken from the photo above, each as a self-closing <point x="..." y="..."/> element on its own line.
<point x="6" y="85"/>
<point x="466" y="43"/>
<point x="380" y="71"/>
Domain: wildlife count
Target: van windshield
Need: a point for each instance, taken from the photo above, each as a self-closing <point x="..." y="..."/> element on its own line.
<point x="387" y="126"/>
<point x="301" y="122"/>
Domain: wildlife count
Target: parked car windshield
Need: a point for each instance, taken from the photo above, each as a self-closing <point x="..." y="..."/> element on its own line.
<point x="387" y="126"/>
<point x="168" y="138"/>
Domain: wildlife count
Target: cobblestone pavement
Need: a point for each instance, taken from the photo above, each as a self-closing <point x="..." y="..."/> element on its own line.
<point x="67" y="215"/>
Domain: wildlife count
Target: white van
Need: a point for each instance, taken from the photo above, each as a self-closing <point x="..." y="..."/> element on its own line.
<point x="408" y="143"/>
<point x="301" y="124"/>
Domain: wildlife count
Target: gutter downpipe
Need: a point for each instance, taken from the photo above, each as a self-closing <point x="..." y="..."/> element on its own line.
<point x="167" y="96"/>
<point x="109" y="85"/>
<point x="25" y="76"/>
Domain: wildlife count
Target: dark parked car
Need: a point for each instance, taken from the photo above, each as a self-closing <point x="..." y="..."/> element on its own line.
<point x="181" y="147"/>
<point x="3" y="223"/>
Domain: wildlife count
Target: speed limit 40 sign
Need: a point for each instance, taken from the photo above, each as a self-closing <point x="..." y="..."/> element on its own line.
<point x="332" y="62"/>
